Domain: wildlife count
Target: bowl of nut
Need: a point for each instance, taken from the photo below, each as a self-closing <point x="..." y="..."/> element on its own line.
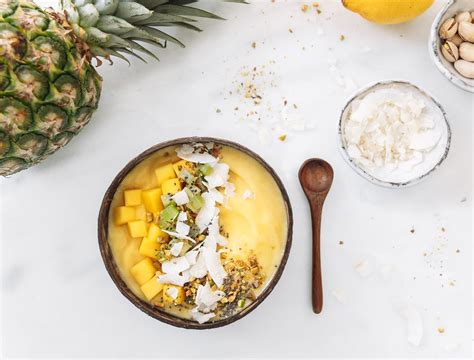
<point x="451" y="43"/>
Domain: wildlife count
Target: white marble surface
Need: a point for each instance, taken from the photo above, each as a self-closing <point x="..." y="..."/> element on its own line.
<point x="58" y="300"/>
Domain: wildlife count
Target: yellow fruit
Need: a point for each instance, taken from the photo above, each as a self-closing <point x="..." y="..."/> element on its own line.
<point x="179" y="299"/>
<point x="388" y="11"/>
<point x="183" y="164"/>
<point x="143" y="271"/>
<point x="124" y="214"/>
<point x="151" y="288"/>
<point x="152" y="200"/>
<point x="132" y="197"/>
<point x="164" y="173"/>
<point x="140" y="212"/>
<point x="137" y="228"/>
<point x="154" y="232"/>
<point x="149" y="247"/>
<point x="171" y="186"/>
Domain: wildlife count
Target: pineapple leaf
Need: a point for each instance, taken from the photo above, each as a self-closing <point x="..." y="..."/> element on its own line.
<point x="116" y="41"/>
<point x="150" y="4"/>
<point x="157" y="18"/>
<point x="186" y="11"/>
<point x="132" y="12"/>
<point x="162" y="35"/>
<point x="129" y="52"/>
<point x="114" y="25"/>
<point x="138" y="34"/>
<point x="136" y="46"/>
<point x="184" y="25"/>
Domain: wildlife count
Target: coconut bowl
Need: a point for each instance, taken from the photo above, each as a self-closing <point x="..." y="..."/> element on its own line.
<point x="451" y="9"/>
<point x="431" y="101"/>
<point x="112" y="268"/>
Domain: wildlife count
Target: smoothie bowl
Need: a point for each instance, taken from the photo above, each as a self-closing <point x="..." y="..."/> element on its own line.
<point x="196" y="232"/>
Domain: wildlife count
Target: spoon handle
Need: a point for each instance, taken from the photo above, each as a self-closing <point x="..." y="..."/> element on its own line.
<point x="317" y="288"/>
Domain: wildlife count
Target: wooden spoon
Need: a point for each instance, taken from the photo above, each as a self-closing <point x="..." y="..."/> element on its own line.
<point x="316" y="177"/>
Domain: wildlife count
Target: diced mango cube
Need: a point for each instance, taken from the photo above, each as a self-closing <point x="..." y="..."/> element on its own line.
<point x="143" y="271"/>
<point x="168" y="291"/>
<point x="124" y="214"/>
<point x="152" y="200"/>
<point x="182" y="164"/>
<point x="151" y="288"/>
<point x="140" y="213"/>
<point x="132" y="197"/>
<point x="154" y="232"/>
<point x="137" y="228"/>
<point x="164" y="173"/>
<point x="171" y="186"/>
<point x="149" y="248"/>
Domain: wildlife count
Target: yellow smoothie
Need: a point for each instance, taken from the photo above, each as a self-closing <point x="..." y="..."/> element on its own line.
<point x="254" y="219"/>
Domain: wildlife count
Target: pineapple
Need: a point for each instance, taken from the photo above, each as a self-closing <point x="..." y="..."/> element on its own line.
<point x="48" y="86"/>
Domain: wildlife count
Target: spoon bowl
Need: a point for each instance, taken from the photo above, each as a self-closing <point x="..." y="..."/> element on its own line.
<point x="316" y="176"/>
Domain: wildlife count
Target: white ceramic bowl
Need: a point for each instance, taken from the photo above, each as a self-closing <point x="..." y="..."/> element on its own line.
<point x="451" y="9"/>
<point x="439" y="156"/>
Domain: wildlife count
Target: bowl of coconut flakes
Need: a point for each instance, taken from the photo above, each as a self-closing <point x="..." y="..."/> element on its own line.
<point x="393" y="134"/>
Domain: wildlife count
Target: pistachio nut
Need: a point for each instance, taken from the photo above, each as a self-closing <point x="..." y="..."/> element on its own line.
<point x="456" y="39"/>
<point x="464" y="16"/>
<point x="466" y="51"/>
<point x="465" y="68"/>
<point x="466" y="31"/>
<point x="450" y="51"/>
<point x="448" y="29"/>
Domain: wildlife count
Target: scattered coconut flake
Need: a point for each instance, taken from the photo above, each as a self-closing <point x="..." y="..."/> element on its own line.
<point x="248" y="194"/>
<point x="214" y="266"/>
<point x="200" y="317"/>
<point x="182" y="228"/>
<point x="364" y="268"/>
<point x="186" y="152"/>
<point x="206" y="299"/>
<point x="176" y="249"/>
<point x="199" y="269"/>
<point x="181" y="197"/>
<point x="179" y="236"/>
<point x="191" y="256"/>
<point x="172" y="292"/>
<point x="413" y="322"/>
<point x="175" y="266"/>
<point x="218" y="177"/>
<point x="182" y="216"/>
<point x="216" y="196"/>
<point x="174" y="279"/>
<point x="206" y="213"/>
<point x="340" y="295"/>
<point x="229" y="189"/>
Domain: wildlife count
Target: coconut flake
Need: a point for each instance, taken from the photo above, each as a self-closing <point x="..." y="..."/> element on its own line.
<point x="248" y="194"/>
<point x="200" y="317"/>
<point x="172" y="292"/>
<point x="182" y="228"/>
<point x="413" y="322"/>
<point x="186" y="152"/>
<point x="199" y="269"/>
<point x="175" y="266"/>
<point x="364" y="268"/>
<point x="340" y="295"/>
<point x="214" y="266"/>
<point x="179" y="236"/>
<point x="182" y="216"/>
<point x="191" y="256"/>
<point x="206" y="299"/>
<point x="176" y="249"/>
<point x="229" y="189"/>
<point x="181" y="197"/>
<point x="207" y="212"/>
<point x="218" y="177"/>
<point x="174" y="279"/>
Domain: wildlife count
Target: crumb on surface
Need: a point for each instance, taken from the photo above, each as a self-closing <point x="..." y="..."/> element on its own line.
<point x="254" y="45"/>
<point x="441" y="330"/>
<point x="304" y="7"/>
<point x="282" y="137"/>
<point x="341" y="242"/>
<point x="342" y="37"/>
<point x="290" y="30"/>
<point x="412" y="230"/>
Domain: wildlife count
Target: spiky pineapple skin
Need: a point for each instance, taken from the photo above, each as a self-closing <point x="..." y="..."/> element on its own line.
<point x="48" y="89"/>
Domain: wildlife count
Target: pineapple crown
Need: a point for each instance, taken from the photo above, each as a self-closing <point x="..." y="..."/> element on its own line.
<point x="120" y="27"/>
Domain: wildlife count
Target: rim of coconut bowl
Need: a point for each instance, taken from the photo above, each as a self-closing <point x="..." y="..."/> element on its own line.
<point x="114" y="272"/>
